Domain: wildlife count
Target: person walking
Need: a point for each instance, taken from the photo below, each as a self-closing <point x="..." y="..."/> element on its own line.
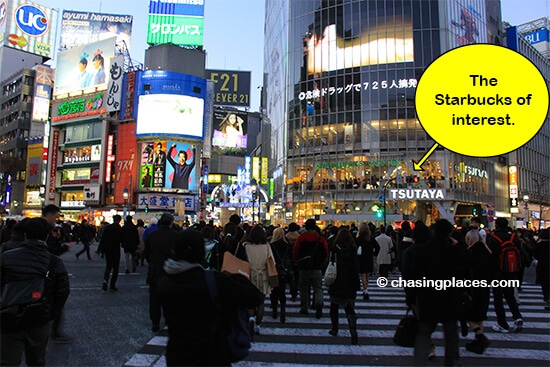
<point x="479" y="266"/>
<point x="367" y="249"/>
<point x="542" y="255"/>
<point x="85" y="235"/>
<point x="384" y="258"/>
<point x="343" y="291"/>
<point x="258" y="251"/>
<point x="110" y="247"/>
<point x="130" y="244"/>
<point x="500" y="235"/>
<point x="310" y="254"/>
<point x="194" y="337"/>
<point x="141" y="247"/>
<point x="291" y="236"/>
<point x="282" y="251"/>
<point x="159" y="246"/>
<point x="440" y="259"/>
<point x="20" y="268"/>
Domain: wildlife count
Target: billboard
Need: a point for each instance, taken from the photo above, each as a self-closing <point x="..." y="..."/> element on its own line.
<point x="84" y="67"/>
<point x="384" y="40"/>
<point x="467" y="22"/>
<point x="230" y="131"/>
<point x="126" y="160"/>
<point x="170" y="114"/>
<point x="167" y="164"/>
<point x="80" y="28"/>
<point x="179" y="22"/>
<point x="231" y="88"/>
<point x="79" y="107"/>
<point x="42" y="93"/>
<point x="27" y="26"/>
<point x="88" y="153"/>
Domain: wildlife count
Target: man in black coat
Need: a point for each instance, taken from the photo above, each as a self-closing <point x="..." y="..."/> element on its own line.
<point x="110" y="246"/>
<point x="18" y="268"/>
<point x="85" y="235"/>
<point x="501" y="231"/>
<point x="159" y="245"/>
<point x="441" y="259"/>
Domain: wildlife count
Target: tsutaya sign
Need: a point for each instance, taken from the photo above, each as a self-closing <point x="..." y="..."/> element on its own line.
<point x="417" y="194"/>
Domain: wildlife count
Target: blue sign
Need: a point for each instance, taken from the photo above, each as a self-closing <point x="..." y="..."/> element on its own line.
<point x="177" y="7"/>
<point x="382" y="198"/>
<point x="31" y="20"/>
<point x="542" y="35"/>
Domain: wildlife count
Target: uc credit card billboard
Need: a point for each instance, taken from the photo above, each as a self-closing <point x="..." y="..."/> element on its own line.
<point x="27" y="26"/>
<point x="180" y="22"/>
<point x="84" y="66"/>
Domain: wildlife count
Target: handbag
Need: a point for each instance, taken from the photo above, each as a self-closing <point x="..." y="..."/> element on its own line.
<point x="233" y="265"/>
<point x="331" y="272"/>
<point x="273" y="276"/>
<point x="405" y="334"/>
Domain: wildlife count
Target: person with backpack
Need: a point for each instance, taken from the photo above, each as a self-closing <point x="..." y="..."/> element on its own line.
<point x="30" y="275"/>
<point x="310" y="253"/>
<point x="507" y="259"/>
<point x="200" y="325"/>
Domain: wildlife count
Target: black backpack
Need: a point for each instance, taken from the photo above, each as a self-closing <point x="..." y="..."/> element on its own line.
<point x="307" y="260"/>
<point x="24" y="303"/>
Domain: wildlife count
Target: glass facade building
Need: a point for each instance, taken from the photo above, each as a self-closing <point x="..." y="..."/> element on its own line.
<point x="340" y="78"/>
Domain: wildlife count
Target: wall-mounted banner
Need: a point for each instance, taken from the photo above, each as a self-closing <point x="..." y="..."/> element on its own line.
<point x="416" y="194"/>
<point x="114" y="89"/>
<point x="231" y="87"/>
<point x="165" y="201"/>
<point x="79" y="107"/>
<point x="179" y="22"/>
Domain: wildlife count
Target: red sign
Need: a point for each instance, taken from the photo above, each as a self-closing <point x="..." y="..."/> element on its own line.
<point x="45" y="154"/>
<point x="110" y="158"/>
<point x="53" y="168"/>
<point x="126" y="159"/>
<point x="129" y="100"/>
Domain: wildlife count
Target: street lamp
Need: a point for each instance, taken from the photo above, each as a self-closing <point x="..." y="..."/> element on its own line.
<point x="254" y="188"/>
<point x="125" y="195"/>
<point x="526" y="201"/>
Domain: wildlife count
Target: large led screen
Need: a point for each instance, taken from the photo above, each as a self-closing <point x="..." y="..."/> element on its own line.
<point x="27" y="26"/>
<point x="82" y="27"/>
<point x="387" y="40"/>
<point x="230" y="130"/>
<point x="84" y="67"/>
<point x="170" y="114"/>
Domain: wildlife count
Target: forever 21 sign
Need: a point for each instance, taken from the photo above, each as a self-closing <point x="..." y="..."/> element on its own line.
<point x="231" y="88"/>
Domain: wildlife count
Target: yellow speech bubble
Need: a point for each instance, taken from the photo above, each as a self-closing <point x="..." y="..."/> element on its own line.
<point x="481" y="100"/>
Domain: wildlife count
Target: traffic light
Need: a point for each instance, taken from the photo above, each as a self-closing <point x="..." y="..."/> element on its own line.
<point x="146" y="209"/>
<point x="415" y="179"/>
<point x="379" y="213"/>
<point x="474" y="212"/>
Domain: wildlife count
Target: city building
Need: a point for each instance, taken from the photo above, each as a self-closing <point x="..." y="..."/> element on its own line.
<point x="339" y="85"/>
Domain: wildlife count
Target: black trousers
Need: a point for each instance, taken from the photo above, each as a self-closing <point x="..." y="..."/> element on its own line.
<point x="155" y="307"/>
<point x="112" y="263"/>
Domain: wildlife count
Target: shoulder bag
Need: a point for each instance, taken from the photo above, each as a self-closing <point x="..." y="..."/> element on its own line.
<point x="331" y="272"/>
<point x="233" y="265"/>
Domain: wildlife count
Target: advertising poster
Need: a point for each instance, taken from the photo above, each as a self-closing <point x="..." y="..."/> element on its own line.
<point x="180" y="167"/>
<point x="230" y="131"/>
<point x="28" y="27"/>
<point x="467" y="22"/>
<point x="84" y="66"/>
<point x="177" y="22"/>
<point x="153" y="162"/>
<point x="82" y="27"/>
<point x="231" y="87"/>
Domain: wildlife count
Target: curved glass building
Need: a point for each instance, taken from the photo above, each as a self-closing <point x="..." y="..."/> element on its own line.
<point x="340" y="78"/>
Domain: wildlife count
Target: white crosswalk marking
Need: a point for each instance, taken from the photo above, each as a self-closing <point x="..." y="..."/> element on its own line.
<point x="304" y="340"/>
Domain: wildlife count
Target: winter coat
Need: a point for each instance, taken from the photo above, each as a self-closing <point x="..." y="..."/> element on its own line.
<point x="130" y="238"/>
<point x="347" y="282"/>
<point x="190" y="313"/>
<point x="542" y="254"/>
<point x="158" y="248"/>
<point x="304" y="245"/>
<point x="257" y="255"/>
<point x="369" y="249"/>
<point x="111" y="239"/>
<point x="437" y="261"/>
<point x="386" y="249"/>
<point x="479" y="266"/>
<point x="32" y="260"/>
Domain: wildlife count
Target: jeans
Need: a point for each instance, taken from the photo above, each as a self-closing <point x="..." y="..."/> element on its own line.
<point x="32" y="342"/>
<point x="424" y="340"/>
<point x="507" y="293"/>
<point x="313" y="278"/>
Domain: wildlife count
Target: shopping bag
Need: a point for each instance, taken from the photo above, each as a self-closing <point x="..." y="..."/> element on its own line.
<point x="405" y="334"/>
<point x="331" y="273"/>
<point x="233" y="265"/>
<point x="273" y="276"/>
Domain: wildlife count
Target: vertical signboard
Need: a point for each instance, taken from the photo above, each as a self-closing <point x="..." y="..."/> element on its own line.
<point x="256" y="168"/>
<point x="53" y="168"/>
<point x="208" y="114"/>
<point x="265" y="171"/>
<point x="83" y="27"/>
<point x="114" y="88"/>
<point x="42" y="93"/>
<point x="513" y="185"/>
<point x="179" y="22"/>
<point x="125" y="160"/>
<point x="28" y="26"/>
<point x="153" y="164"/>
<point x="129" y="95"/>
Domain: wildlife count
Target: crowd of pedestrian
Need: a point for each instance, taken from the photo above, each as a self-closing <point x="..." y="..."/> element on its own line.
<point x="177" y="256"/>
